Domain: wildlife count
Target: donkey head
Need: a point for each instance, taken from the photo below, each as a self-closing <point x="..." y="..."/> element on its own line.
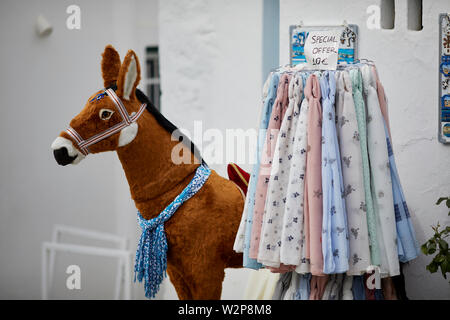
<point x="108" y="120"/>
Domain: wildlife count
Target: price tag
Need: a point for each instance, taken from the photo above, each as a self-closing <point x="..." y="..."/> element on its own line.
<point x="321" y="49"/>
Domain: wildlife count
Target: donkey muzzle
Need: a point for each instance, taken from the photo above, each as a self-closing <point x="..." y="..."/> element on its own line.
<point x="65" y="153"/>
<point x="62" y="156"/>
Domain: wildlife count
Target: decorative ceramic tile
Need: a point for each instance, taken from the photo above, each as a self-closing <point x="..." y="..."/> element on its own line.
<point x="444" y="78"/>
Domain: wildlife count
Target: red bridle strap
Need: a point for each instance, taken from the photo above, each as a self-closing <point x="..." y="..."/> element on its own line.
<point x="126" y="121"/>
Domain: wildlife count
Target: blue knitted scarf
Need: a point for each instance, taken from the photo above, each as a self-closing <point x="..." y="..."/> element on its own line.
<point x="151" y="254"/>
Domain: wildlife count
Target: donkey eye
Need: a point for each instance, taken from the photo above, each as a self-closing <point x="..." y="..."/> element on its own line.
<point x="105" y="114"/>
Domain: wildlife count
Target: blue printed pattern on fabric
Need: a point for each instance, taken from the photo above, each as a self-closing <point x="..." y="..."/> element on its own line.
<point x="304" y="288"/>
<point x="250" y="199"/>
<point x="408" y="248"/>
<point x="151" y="253"/>
<point x="335" y="246"/>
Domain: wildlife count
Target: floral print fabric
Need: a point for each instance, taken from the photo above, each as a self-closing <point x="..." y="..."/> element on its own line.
<point x="353" y="178"/>
<point x="360" y="110"/>
<point x="247" y="217"/>
<point x="278" y="111"/>
<point x="334" y="219"/>
<point x="274" y="210"/>
<point x="381" y="178"/>
<point x="313" y="176"/>
<point x="324" y="197"/>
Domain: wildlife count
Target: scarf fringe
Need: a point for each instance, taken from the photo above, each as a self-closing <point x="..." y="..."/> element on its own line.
<point x="151" y="259"/>
<point x="151" y="254"/>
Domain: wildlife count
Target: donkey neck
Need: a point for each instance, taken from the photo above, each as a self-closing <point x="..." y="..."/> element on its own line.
<point x="153" y="178"/>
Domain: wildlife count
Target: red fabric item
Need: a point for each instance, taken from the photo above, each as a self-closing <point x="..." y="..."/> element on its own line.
<point x="318" y="284"/>
<point x="238" y="176"/>
<point x="283" y="268"/>
<point x="370" y="293"/>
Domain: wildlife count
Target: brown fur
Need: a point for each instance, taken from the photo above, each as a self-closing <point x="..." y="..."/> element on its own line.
<point x="123" y="71"/>
<point x="201" y="233"/>
<point x="110" y="65"/>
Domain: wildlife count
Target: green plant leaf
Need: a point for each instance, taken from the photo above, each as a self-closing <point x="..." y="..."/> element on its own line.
<point x="439" y="258"/>
<point x="443" y="245"/>
<point x="446" y="264"/>
<point x="424" y="249"/>
<point x="432" y="267"/>
<point x="432" y="248"/>
<point x="438" y="244"/>
<point x="436" y="230"/>
<point x="445" y="268"/>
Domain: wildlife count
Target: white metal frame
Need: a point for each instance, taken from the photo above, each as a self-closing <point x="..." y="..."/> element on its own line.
<point x="124" y="257"/>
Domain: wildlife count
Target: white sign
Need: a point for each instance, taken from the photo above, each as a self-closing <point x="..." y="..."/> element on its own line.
<point x="321" y="49"/>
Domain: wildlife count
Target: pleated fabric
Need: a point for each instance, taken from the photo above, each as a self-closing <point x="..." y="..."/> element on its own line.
<point x="329" y="285"/>
<point x="336" y="289"/>
<point x="318" y="284"/>
<point x="324" y="199"/>
<point x="358" y="288"/>
<point x="250" y="198"/>
<point x="387" y="284"/>
<point x="295" y="252"/>
<point x="297" y="182"/>
<point x="313" y="183"/>
<point x="408" y="248"/>
<point x="275" y="207"/>
<point x="304" y="288"/>
<point x="278" y="111"/>
<point x="282" y="285"/>
<point x="381" y="99"/>
<point x="333" y="289"/>
<point x="291" y="291"/>
<point x="261" y="285"/>
<point x="360" y="110"/>
<point x="353" y="178"/>
<point x="283" y="268"/>
<point x="238" y="245"/>
<point x="292" y="249"/>
<point x="407" y="243"/>
<point x="381" y="178"/>
<point x="347" y="293"/>
<point x="335" y="246"/>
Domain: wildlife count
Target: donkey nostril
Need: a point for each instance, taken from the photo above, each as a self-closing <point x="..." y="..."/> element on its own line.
<point x="62" y="156"/>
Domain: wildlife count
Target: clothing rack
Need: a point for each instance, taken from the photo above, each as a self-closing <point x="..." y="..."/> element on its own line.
<point x="326" y="155"/>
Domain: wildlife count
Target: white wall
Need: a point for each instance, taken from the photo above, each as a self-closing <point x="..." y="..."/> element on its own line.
<point x="44" y="83"/>
<point x="210" y="55"/>
<point x="407" y="62"/>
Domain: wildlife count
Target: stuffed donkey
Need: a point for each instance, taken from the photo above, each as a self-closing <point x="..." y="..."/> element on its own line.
<point x="189" y="214"/>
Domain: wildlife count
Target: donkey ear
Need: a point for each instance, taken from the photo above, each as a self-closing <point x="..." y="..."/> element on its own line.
<point x="129" y="76"/>
<point x="110" y="65"/>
